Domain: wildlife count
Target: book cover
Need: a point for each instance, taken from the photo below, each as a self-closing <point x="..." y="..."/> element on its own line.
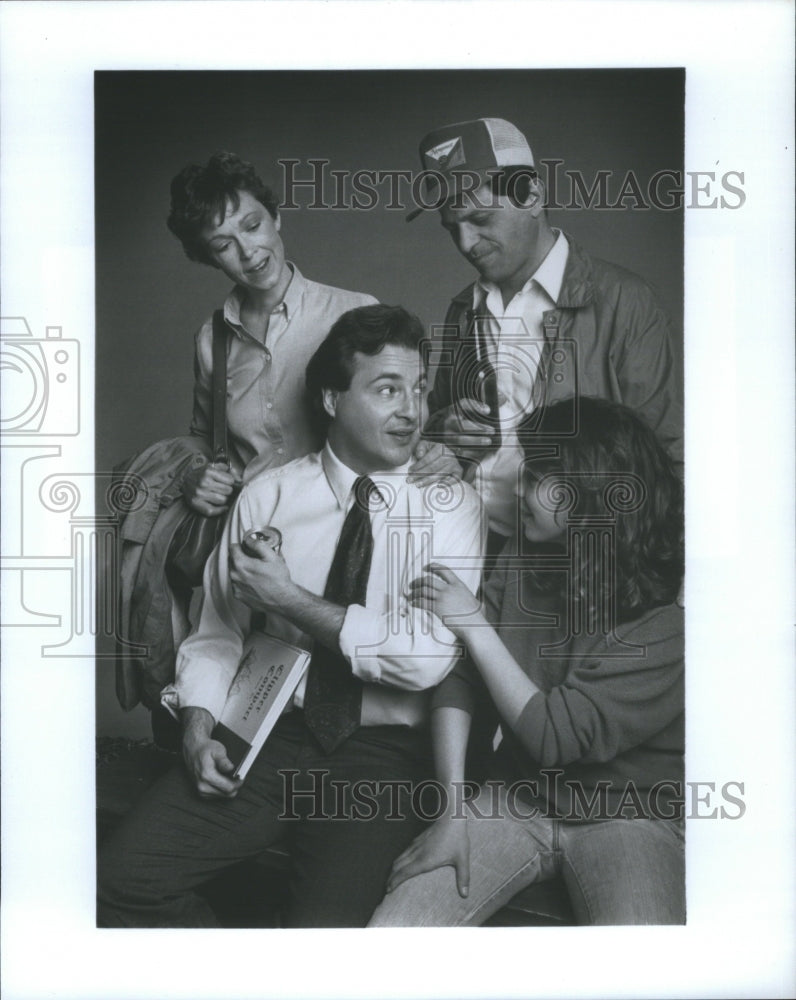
<point x="269" y="672"/>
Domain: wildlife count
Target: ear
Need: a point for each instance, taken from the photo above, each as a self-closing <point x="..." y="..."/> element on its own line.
<point x="277" y="221"/>
<point x="535" y="200"/>
<point x="329" y="397"/>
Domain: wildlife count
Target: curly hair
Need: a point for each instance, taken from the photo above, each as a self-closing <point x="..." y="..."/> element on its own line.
<point x="611" y="465"/>
<point x="199" y="196"/>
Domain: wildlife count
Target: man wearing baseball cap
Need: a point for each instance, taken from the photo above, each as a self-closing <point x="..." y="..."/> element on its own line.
<point x="543" y="321"/>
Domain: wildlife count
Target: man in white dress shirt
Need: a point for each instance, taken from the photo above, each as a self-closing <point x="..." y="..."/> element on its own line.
<point x="334" y="797"/>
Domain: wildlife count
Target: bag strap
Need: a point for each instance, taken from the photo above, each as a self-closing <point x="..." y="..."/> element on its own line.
<point x="220" y="333"/>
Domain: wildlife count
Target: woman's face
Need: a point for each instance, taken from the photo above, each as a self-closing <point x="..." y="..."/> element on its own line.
<point x="246" y="245"/>
<point x="539" y="522"/>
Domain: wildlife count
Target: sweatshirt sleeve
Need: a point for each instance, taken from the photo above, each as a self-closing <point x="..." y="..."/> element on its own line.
<point x="612" y="702"/>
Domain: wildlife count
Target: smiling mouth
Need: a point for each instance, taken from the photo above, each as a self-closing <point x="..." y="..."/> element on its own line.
<point x="260" y="267"/>
<point x="482" y="255"/>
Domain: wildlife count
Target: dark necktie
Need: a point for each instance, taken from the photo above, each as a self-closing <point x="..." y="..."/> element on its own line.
<point x="333" y="696"/>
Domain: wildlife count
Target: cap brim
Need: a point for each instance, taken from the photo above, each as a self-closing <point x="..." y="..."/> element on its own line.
<point x="452" y="178"/>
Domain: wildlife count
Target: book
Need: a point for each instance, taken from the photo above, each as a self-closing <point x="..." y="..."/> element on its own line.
<point x="268" y="675"/>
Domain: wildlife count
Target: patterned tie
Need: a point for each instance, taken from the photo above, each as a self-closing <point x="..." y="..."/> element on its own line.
<point x="333" y="696"/>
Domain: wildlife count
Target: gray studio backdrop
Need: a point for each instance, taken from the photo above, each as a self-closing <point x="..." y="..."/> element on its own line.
<point x="150" y="298"/>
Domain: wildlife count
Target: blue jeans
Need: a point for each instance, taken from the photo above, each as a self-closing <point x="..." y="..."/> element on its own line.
<point x="341" y="851"/>
<point x="623" y="871"/>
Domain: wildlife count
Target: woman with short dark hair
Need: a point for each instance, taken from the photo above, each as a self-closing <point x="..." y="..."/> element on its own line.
<point x="226" y="217"/>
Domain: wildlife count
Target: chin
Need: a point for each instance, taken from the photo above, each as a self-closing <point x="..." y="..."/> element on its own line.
<point x="398" y="456"/>
<point x="491" y="273"/>
<point x="402" y="456"/>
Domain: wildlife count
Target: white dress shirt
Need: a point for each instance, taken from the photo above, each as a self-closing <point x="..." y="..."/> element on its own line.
<point x="514" y="337"/>
<point x="397" y="650"/>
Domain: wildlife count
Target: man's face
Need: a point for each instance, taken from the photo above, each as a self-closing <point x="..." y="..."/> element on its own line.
<point x="376" y="421"/>
<point x="246" y="245"/>
<point x="497" y="237"/>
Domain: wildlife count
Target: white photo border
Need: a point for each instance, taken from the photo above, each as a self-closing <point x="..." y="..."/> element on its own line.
<point x="739" y="461"/>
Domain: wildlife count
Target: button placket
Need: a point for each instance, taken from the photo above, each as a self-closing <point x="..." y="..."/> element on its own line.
<point x="270" y="415"/>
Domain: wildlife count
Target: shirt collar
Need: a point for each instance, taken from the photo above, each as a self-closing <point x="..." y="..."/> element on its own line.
<point x="549" y="275"/>
<point x="289" y="304"/>
<point x="341" y="479"/>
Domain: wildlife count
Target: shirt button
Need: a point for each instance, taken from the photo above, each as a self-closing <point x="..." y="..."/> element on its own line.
<point x="280" y="451"/>
<point x="269" y="406"/>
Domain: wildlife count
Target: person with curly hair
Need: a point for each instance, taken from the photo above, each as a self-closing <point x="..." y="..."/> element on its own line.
<point x="579" y="648"/>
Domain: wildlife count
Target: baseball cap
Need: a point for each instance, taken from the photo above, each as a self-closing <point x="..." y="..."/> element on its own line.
<point x="478" y="147"/>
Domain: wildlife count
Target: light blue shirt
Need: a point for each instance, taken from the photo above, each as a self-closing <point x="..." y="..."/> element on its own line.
<point x="267" y="411"/>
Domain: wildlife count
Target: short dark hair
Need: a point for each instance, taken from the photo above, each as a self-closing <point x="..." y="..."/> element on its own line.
<point x="199" y="196"/>
<point x="612" y="440"/>
<point x="364" y="330"/>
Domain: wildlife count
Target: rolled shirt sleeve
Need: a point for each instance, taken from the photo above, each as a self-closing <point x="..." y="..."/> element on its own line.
<point x="392" y="642"/>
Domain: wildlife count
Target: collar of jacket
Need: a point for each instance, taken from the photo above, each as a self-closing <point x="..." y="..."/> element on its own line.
<point x="577" y="287"/>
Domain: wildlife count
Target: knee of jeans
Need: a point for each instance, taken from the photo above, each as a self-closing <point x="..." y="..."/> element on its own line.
<point x="429" y="899"/>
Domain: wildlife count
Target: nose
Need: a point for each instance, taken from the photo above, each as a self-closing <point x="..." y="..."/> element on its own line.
<point x="465" y="237"/>
<point x="409" y="406"/>
<point x="245" y="249"/>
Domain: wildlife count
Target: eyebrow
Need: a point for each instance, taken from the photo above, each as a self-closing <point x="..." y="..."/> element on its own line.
<point x="248" y="217"/>
<point x="396" y="377"/>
